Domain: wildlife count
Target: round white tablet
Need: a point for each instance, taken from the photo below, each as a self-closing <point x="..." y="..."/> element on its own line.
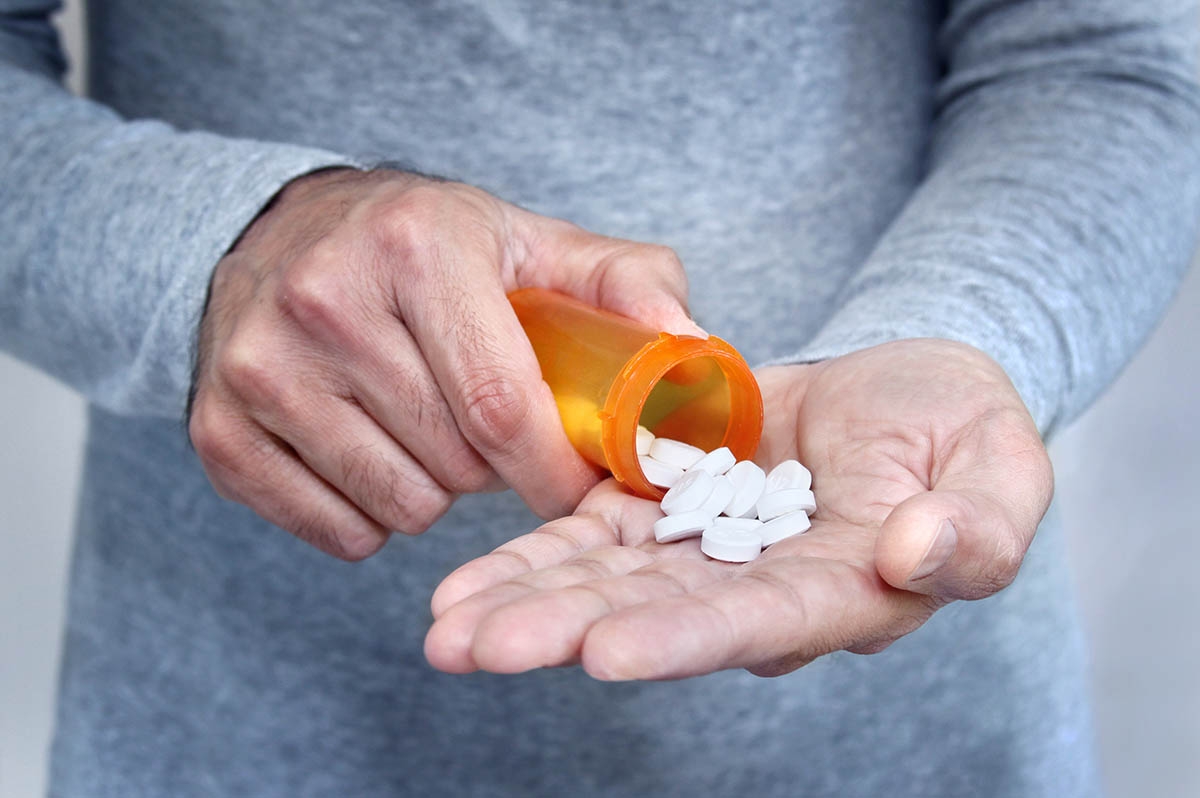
<point x="688" y="493"/>
<point x="675" y="453"/>
<point x="784" y="526"/>
<point x="788" y="474"/>
<point x="671" y="528"/>
<point x="748" y="481"/>
<point x="730" y="545"/>
<point x="722" y="492"/>
<point x="644" y="438"/>
<point x="716" y="462"/>
<point x="781" y="502"/>
<point x="660" y="474"/>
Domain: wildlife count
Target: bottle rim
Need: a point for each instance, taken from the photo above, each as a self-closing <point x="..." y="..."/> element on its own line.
<point x="632" y="388"/>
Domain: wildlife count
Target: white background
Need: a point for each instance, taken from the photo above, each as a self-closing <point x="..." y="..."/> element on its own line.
<point x="1127" y="478"/>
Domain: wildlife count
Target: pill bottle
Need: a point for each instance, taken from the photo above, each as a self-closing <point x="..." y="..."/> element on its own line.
<point x="610" y="373"/>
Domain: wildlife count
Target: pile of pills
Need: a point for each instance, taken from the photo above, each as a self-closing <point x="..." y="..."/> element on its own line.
<point x="735" y="507"/>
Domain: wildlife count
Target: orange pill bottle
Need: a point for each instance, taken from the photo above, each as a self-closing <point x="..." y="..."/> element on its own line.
<point x="609" y="374"/>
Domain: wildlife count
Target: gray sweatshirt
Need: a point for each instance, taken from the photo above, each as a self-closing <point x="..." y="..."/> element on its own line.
<point x="1022" y="175"/>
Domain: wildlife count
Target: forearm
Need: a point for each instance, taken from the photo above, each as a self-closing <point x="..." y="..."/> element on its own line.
<point x="1059" y="209"/>
<point x="112" y="229"/>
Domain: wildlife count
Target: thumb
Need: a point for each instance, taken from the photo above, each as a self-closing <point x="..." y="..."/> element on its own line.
<point x="645" y="282"/>
<point x="950" y="544"/>
<point x="966" y="537"/>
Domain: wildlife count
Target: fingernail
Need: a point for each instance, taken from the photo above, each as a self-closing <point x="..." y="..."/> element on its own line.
<point x="939" y="552"/>
<point x="686" y="326"/>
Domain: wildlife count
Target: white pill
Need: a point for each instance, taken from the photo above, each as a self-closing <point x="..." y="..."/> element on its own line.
<point x="722" y="492"/>
<point x="786" y="475"/>
<point x="689" y="493"/>
<point x="716" y="462"/>
<point x="781" y="502"/>
<point x="748" y="481"/>
<point x="660" y="474"/>
<point x="671" y="528"/>
<point x="644" y="438"/>
<point x="730" y="545"/>
<point x="784" y="526"/>
<point x="675" y="453"/>
<point x="745" y="524"/>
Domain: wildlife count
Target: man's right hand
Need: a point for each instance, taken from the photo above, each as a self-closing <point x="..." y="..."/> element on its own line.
<point x="359" y="364"/>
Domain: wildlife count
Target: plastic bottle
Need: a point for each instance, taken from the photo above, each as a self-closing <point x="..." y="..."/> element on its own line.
<point x="609" y="373"/>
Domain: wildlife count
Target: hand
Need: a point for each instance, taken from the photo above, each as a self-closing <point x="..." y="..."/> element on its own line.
<point x="904" y="440"/>
<point x="359" y="364"/>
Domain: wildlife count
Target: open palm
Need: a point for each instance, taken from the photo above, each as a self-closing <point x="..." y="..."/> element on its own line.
<point x="905" y="441"/>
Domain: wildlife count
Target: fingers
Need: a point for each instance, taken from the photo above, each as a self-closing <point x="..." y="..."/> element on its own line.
<point x="447" y="255"/>
<point x="548" y="626"/>
<point x="549" y="545"/>
<point x="468" y="635"/>
<point x="597" y="542"/>
<point x="384" y="297"/>
<point x="574" y="590"/>
<point x="247" y="465"/>
<point x="607" y="516"/>
<point x="966" y="538"/>
<point x="771" y="618"/>
<point x="646" y="282"/>
<point x="347" y="449"/>
<point x="395" y="387"/>
<point x="352" y="338"/>
<point x="470" y="336"/>
<point x="672" y="617"/>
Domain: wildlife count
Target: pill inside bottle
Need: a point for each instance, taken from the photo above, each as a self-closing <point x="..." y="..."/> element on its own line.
<point x="609" y="373"/>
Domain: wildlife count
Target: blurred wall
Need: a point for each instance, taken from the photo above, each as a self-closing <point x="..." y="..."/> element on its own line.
<point x="41" y="442"/>
<point x="1127" y="475"/>
<point x="1126" y="472"/>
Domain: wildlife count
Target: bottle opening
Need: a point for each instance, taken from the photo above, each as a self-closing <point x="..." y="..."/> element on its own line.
<point x="690" y="403"/>
<point x="690" y="389"/>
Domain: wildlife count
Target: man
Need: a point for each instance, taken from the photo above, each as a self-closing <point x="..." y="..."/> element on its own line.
<point x="946" y="225"/>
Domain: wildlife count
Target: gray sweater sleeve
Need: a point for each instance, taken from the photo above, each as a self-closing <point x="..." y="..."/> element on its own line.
<point x="111" y="228"/>
<point x="1061" y="201"/>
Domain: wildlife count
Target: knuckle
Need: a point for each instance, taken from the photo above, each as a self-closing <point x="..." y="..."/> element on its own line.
<point x="314" y="294"/>
<point x="420" y="510"/>
<point x="351" y="545"/>
<point x="467" y="473"/>
<point x="659" y="260"/>
<point x="223" y="491"/>
<point x="213" y="436"/>
<point x="223" y="452"/>
<point x="988" y="585"/>
<point x="390" y="495"/>
<point x="1002" y="568"/>
<point x="495" y="409"/>
<point x="1044" y="474"/>
<point x="668" y="258"/>
<point x="252" y="374"/>
<point x="358" y="547"/>
<point x="871" y="647"/>
<point x="1009" y="557"/>
<point x="419" y="223"/>
<point x="403" y="223"/>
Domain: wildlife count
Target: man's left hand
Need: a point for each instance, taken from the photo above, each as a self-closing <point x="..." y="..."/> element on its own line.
<point x="930" y="479"/>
